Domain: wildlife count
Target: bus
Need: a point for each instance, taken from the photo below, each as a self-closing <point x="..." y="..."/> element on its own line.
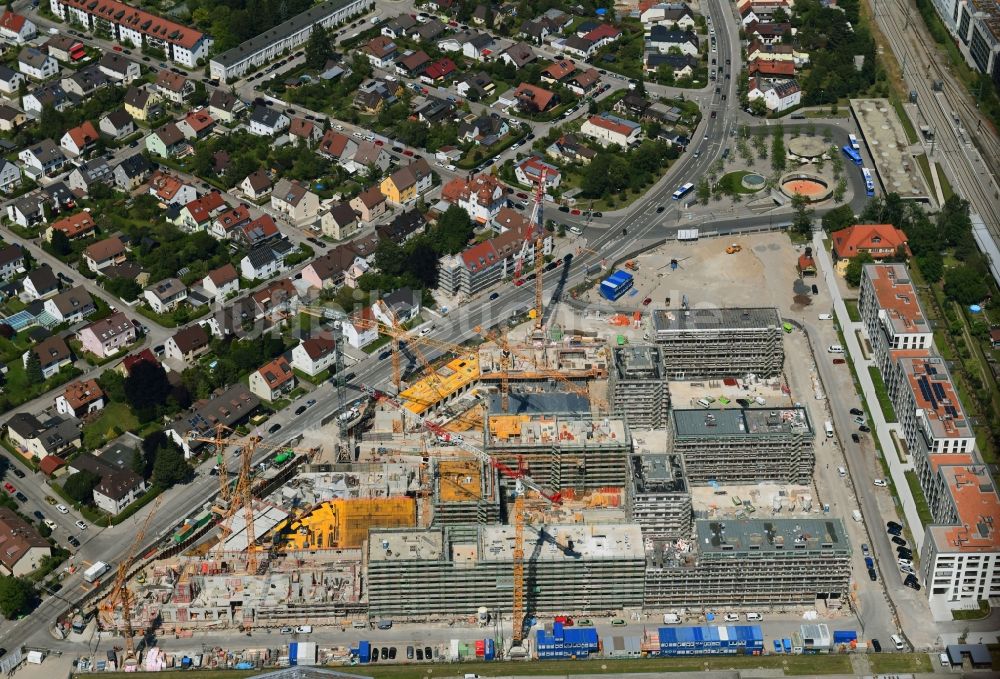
<point x="854" y="156"/>
<point x="853" y="142"/>
<point x="683" y="191"/>
<point x="869" y="182"/>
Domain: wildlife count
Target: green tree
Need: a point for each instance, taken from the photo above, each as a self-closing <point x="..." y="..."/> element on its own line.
<point x="965" y="285"/>
<point x="80" y="486"/>
<point x="838" y="218"/>
<point x="931" y="265"/>
<point x="704" y="190"/>
<point x="60" y="244"/>
<point x="112" y="384"/>
<point x="170" y="467"/>
<point x="124" y="288"/>
<point x="317" y="47"/>
<point x="778" y="150"/>
<point x="17" y="596"/>
<point x="33" y="368"/>
<point x="146" y="388"/>
<point x="454" y="229"/>
<point x="853" y="272"/>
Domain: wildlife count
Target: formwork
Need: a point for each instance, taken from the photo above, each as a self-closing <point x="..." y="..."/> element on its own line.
<point x="464" y="493"/>
<point x="445" y="384"/>
<point x="344" y="524"/>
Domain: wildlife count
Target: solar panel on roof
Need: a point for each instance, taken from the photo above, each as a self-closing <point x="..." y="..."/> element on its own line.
<point x="939" y="390"/>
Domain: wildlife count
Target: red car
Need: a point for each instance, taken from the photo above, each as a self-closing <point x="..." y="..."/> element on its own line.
<point x="518" y="283"/>
<point x="647" y="301"/>
<point x="839" y="361"/>
<point x="574" y="212"/>
<point x="9" y="488"/>
<point x="565" y="620"/>
<point x="379" y="142"/>
<point x="407" y="152"/>
<point x="522" y="196"/>
<point x="117" y="48"/>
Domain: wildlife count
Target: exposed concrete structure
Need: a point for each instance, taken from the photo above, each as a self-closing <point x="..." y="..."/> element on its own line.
<point x="744" y="445"/>
<point x="637" y="387"/>
<point x="658" y="496"/>
<point x="464" y="493"/>
<point x="719" y="342"/>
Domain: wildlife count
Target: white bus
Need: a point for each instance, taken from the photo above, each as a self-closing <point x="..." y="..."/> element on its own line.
<point x="683" y="191"/>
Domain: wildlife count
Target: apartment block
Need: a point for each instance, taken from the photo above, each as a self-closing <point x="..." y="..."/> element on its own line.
<point x="464" y="492"/>
<point x="441" y="572"/>
<point x="700" y="343"/>
<point x="562" y="451"/>
<point x="751" y="562"/>
<point x="891" y="312"/>
<point x="637" y="386"/>
<point x="658" y="497"/>
<point x="748" y="445"/>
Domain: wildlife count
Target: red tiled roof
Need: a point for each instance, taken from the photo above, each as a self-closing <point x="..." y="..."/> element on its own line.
<point x="480" y="256"/>
<point x="277" y="372"/>
<point x="199" y="120"/>
<point x="138" y="20"/>
<point x="50" y="463"/>
<point x="859" y="238"/>
<point x="12" y="22"/>
<point x="75" y="225"/>
<point x="539" y="96"/>
<point x="558" y="70"/>
<point x="201" y="209"/>
<point x="771" y="67"/>
<point x="601" y="32"/>
<point x="224" y="274"/>
<point x="81" y="393"/>
<point x="83" y="134"/>
<point x="133" y="360"/>
<point x="440" y="68"/>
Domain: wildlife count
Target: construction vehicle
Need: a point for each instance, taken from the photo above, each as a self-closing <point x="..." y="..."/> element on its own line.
<point x="734" y="248"/>
<point x="120" y="594"/>
<point x="632" y="265"/>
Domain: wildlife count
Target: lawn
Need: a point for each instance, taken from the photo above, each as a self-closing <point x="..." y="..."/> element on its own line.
<point x="793" y="665"/>
<point x="923" y="511"/>
<point x="946" y="189"/>
<point x="115" y="419"/>
<point x="894" y="663"/>
<point x="730" y="183"/>
<point x="888" y="412"/>
<point x="977" y="614"/>
<point x="852" y="310"/>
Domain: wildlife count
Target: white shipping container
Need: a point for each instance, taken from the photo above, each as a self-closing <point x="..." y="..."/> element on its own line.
<point x="687" y="234"/>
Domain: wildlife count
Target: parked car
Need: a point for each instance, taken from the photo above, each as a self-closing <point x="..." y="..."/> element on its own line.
<point x="892" y="524"/>
<point x="73" y="541"/>
<point x="898" y="540"/>
<point x="855" y="438"/>
<point x="286" y="630"/>
<point x="876" y="646"/>
<point x="21" y="497"/>
<point x="62" y="509"/>
<point x="872" y="574"/>
<point x="300" y="410"/>
<point x="857" y="411"/>
<point x="273" y="428"/>
<point x="494" y="295"/>
<point x="18" y="473"/>
<point x="865" y="428"/>
<point x="880" y="483"/>
<point x="732" y="617"/>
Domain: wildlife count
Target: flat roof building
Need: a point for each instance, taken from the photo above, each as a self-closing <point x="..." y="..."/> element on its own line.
<point x="658" y="497"/>
<point x="439" y="573"/>
<point x="891" y="312"/>
<point x="776" y="562"/>
<point x="562" y="451"/>
<point x="637" y="386"/>
<point x="744" y="445"/>
<point x="719" y="342"/>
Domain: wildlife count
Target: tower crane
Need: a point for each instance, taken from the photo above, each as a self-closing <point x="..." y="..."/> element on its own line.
<point x="120" y="594"/>
<point x="523" y="482"/>
<point x="535" y="231"/>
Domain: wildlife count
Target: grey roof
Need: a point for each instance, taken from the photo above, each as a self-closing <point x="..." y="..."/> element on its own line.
<point x="676" y="320"/>
<point x="280" y="32"/>
<point x="6" y="73"/>
<point x="740" y="422"/>
<point x="25" y="424"/>
<point x="43" y="279"/>
<point x="119" y="118"/>
<point x="744" y="535"/>
<point x="660" y="33"/>
<point x="51" y="94"/>
<point x="135" y="166"/>
<point x="228" y="408"/>
<point x="94" y="170"/>
<point x="73" y="301"/>
<point x="261" y="255"/>
<point x="33" y="57"/>
<point x="342" y="214"/>
<point x="90" y="78"/>
<point x="540" y="402"/>
<point x="266" y="116"/>
<point x="223" y="100"/>
<point x="10" y="254"/>
<point x="115" y="62"/>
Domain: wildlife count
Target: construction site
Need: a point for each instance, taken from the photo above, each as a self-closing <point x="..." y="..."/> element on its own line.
<point x="544" y="471"/>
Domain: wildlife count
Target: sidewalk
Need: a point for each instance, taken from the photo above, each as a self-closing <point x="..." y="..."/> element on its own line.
<point x="880" y="428"/>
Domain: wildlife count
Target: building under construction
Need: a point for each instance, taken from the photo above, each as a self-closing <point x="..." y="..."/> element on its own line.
<point x="442" y="572"/>
<point x="572" y="357"/>
<point x="562" y="451"/>
<point x="344" y="523"/>
<point x="751" y="563"/>
<point x="702" y="343"/>
<point x="638" y="387"/>
<point x="744" y="445"/>
<point x="464" y="492"/>
<point x="658" y="497"/>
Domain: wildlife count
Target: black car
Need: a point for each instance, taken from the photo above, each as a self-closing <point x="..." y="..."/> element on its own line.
<point x="815" y="289"/>
<point x="893" y="524"/>
<point x="18" y="473"/>
<point x="73" y="541"/>
<point x="855" y="438"/>
<point x="876" y="646"/>
<point x="904" y="553"/>
<point x="857" y="411"/>
<point x="273" y="428"/>
<point x="898" y="540"/>
<point x="38" y="515"/>
<point x="374" y="656"/>
<point x="660" y="209"/>
<point x="427" y="652"/>
<point x="348" y="377"/>
<point x="563" y="208"/>
<point x="21" y="496"/>
<point x="895" y="531"/>
<point x="494" y="295"/>
<point x="384" y="355"/>
<point x="385" y="654"/>
<point x="300" y="410"/>
<point x="420" y="654"/>
<point x="872" y="575"/>
<point x="409" y="652"/>
<point x="865" y="428"/>
<point x="912" y="583"/>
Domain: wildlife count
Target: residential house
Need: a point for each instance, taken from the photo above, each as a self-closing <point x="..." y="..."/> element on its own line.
<point x="583" y="83"/>
<point x="11" y="261"/>
<point x="305" y="130"/>
<point x="481" y="197"/>
<point x="529" y="171"/>
<point x="275" y="301"/>
<point x="486" y="263"/>
<point x="402" y="228"/>
<point x="17" y="28"/>
<point x="10" y="118"/>
<point x="85" y="82"/>
<point x="104" y="253"/>
<point x="64" y="48"/>
<point x="608" y="129"/>
<point x="777" y="52"/>
<point x="74" y="226"/>
<point x="412" y="64"/>
<point x="10" y="176"/>
<point x="48" y="95"/>
<point x="36" y="64"/>
<point x="294" y="200"/>
<point x="768" y="33"/>
<point x="170" y="190"/>
<point x="367" y="155"/>
<point x="668" y="14"/>
<point x="140" y="104"/>
<point x="439" y="71"/>
<point x="878" y="240"/>
<point x="187" y="344"/>
<point x="435" y="111"/>
<point x="398" y="27"/>
<point x="328" y="270"/>
<point x="338" y="221"/>
<point x="777" y="95"/>
<point x="225" y="107"/>
<point x="360" y="329"/>
<point x="486" y="130"/>
<point x="29" y="210"/>
<point x="381" y="52"/>
<point x="71" y="306"/>
<point x="132" y="172"/>
<point x="476" y="86"/>
<point x="406" y="184"/>
<point x="80" y="139"/>
<point x="400" y="306"/>
<point x="22" y="549"/>
<point x="10" y="80"/>
<point x="771" y="68"/>
<point x="53" y="354"/>
<point x="272" y="380"/>
<point x="173" y="87"/>
<point x="42" y="158"/>
<point x="370" y="205"/>
<point x="40" y="283"/>
<point x="86" y="175"/>
<point x="568" y="148"/>
<point x="473" y="45"/>
<point x="681" y="65"/>
<point x="165" y="295"/>
<point x="118" y="124"/>
<point x="222" y="282"/>
<point x="314" y="354"/>
<point x="117" y="489"/>
<point x="663" y="39"/>
<point x="227" y="225"/>
<point x="336" y="146"/>
<point x="267" y="122"/>
<point x="229" y="408"/>
<point x="108" y="336"/>
<point x="558" y="71"/>
<point x="256" y="185"/>
<point x="257" y="232"/>
<point x="534" y="99"/>
<point x="118" y="68"/>
<point x="373" y="95"/>
<point x="80" y="398"/>
<point x="198" y="214"/>
<point x="519" y="55"/>
<point x="428" y="32"/>
<point x="196" y="125"/>
<point x="265" y="260"/>
<point x="167" y="141"/>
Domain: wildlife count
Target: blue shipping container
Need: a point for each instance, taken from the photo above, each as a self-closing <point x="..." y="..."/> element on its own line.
<point x="490" y="651"/>
<point x="844" y="636"/>
<point x="711" y="640"/>
<point x="616" y="285"/>
<point x="364" y="651"/>
<point x="293" y="652"/>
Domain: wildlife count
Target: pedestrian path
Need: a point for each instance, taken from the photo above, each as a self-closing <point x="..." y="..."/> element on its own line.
<point x="880" y="428"/>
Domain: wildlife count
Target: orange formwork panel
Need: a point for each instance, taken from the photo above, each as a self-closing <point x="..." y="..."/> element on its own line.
<point x="344" y="523"/>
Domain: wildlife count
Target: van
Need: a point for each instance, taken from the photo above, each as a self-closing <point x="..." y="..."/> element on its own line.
<point x="704" y="402"/>
<point x="835" y="349"/>
<point x="671" y="619"/>
<point x="385" y="624"/>
<point x="943" y="659"/>
<point x="575" y="229"/>
<point x="826" y="317"/>
<point x="898" y="642"/>
<point x="359" y="624"/>
<point x="754" y="617"/>
<point x="842" y="472"/>
<point x="828" y="426"/>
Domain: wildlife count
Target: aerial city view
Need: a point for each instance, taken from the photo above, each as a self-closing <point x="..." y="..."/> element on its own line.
<point x="471" y="338"/>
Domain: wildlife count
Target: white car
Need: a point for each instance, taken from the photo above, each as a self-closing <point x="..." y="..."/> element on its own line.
<point x="826" y="317"/>
<point x="304" y="629"/>
<point x="50" y="523"/>
<point x="81" y="525"/>
<point x="880" y="483"/>
<point x="62" y="509"/>
<point x="732" y="617"/>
